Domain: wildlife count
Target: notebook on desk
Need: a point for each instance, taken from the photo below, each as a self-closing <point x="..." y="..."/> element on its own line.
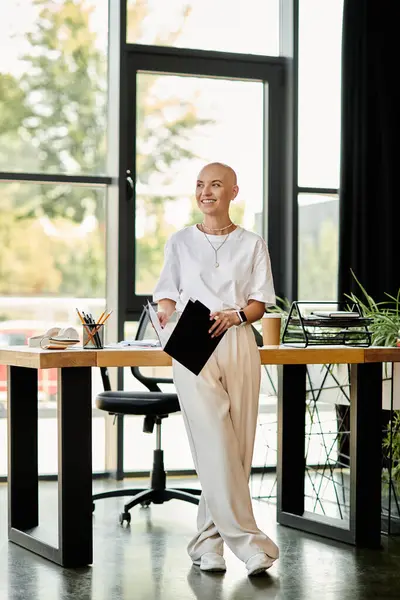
<point x="189" y="342"/>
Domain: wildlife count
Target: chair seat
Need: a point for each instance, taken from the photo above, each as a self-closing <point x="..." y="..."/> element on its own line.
<point x="138" y="403"/>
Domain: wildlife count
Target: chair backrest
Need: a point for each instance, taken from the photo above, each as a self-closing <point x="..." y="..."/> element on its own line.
<point x="152" y="383"/>
<point x="105" y="379"/>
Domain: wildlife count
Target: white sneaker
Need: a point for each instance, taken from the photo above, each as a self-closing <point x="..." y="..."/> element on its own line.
<point x="259" y="563"/>
<point x="211" y="561"/>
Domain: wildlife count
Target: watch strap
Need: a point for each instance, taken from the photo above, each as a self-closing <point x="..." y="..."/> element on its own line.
<point x="242" y="316"/>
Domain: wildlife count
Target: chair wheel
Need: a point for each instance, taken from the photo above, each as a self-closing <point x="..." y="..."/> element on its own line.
<point x="145" y="503"/>
<point x="126" y="516"/>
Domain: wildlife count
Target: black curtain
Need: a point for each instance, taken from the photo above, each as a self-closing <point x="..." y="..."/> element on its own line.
<point x="369" y="199"/>
<point x="369" y="229"/>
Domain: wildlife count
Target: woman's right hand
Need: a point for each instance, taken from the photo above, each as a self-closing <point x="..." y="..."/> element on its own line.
<point x="166" y="307"/>
<point x="163" y="317"/>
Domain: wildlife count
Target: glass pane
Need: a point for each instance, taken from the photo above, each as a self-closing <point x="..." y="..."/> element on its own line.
<point x="138" y="448"/>
<point x="320" y="36"/>
<point x="53" y="86"/>
<point x="318" y="247"/>
<point x="248" y="27"/>
<point x="52" y="260"/>
<point x="53" y="245"/>
<point x="183" y="123"/>
<point x="48" y="436"/>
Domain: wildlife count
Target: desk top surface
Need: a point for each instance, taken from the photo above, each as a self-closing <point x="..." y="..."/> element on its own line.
<point x="36" y="358"/>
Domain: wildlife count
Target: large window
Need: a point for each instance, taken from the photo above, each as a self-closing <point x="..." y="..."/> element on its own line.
<point x="53" y="101"/>
<point x="185" y="110"/>
<point x="245" y="26"/>
<point x="199" y="105"/>
<point x="53" y="245"/>
<point x="52" y="260"/>
<point x="183" y="123"/>
<point x="53" y="86"/>
<point x="318" y="246"/>
<point x="320" y="34"/>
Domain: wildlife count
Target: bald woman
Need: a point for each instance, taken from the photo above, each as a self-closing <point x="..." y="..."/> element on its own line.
<point x="228" y="269"/>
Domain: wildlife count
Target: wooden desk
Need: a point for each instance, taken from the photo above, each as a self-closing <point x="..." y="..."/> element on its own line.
<point x="74" y="415"/>
<point x="270" y="355"/>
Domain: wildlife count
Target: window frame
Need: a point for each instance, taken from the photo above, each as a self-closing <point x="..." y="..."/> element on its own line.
<point x="156" y="59"/>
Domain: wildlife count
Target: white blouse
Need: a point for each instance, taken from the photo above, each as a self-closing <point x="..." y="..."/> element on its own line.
<point x="189" y="271"/>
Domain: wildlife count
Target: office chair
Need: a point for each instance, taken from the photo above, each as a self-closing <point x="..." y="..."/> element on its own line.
<point x="155" y="406"/>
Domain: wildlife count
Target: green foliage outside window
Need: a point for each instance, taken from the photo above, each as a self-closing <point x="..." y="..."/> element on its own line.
<point x="318" y="264"/>
<point x="53" y="119"/>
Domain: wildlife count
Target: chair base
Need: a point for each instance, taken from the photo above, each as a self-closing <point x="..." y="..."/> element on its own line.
<point x="148" y="496"/>
<point x="157" y="493"/>
<point x="154" y="496"/>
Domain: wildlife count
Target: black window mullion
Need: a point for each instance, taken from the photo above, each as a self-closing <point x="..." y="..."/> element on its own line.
<point x="313" y="190"/>
<point x="49" y="178"/>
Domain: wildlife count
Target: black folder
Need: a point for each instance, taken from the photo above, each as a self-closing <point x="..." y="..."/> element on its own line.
<point x="190" y="343"/>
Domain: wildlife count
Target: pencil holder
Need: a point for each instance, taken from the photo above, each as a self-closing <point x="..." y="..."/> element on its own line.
<point x="93" y="336"/>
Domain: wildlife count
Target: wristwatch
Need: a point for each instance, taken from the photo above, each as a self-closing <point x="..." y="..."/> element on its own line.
<point x="242" y="316"/>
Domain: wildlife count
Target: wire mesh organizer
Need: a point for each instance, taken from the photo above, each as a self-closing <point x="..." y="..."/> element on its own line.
<point x="316" y="323"/>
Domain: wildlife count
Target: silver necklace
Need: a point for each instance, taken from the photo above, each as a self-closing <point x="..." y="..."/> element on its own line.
<point x="222" y="229"/>
<point x="216" y="264"/>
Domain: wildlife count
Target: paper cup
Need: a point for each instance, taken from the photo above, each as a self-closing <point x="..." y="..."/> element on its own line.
<point x="271" y="329"/>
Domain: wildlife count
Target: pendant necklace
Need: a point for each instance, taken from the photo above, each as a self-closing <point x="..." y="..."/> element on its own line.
<point x="216" y="264"/>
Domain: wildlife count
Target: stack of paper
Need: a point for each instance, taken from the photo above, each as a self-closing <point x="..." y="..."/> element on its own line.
<point x="336" y="314"/>
<point x="135" y="344"/>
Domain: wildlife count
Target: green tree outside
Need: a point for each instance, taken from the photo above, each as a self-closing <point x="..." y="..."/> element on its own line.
<point x="61" y="103"/>
<point x="318" y="264"/>
<point x="65" y="91"/>
<point x="13" y="112"/>
<point x="55" y="116"/>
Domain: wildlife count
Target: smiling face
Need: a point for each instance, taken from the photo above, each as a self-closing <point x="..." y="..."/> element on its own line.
<point x="215" y="188"/>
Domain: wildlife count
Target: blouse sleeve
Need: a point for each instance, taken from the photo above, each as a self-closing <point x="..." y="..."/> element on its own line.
<point x="168" y="283"/>
<point x="261" y="281"/>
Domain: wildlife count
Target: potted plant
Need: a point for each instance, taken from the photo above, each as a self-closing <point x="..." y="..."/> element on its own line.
<point x="385" y="316"/>
<point x="330" y="383"/>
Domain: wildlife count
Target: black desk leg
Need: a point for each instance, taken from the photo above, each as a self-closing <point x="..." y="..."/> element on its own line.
<point x="291" y="435"/>
<point x="365" y="454"/>
<point x="23" y="498"/>
<point x="75" y="467"/>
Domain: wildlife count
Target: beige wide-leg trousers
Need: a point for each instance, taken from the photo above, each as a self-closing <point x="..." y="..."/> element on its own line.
<point x="220" y="408"/>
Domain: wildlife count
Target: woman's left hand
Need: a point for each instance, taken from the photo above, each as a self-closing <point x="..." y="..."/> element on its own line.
<point x="223" y="321"/>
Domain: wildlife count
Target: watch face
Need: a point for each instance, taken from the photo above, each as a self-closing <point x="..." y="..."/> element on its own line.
<point x="243" y="316"/>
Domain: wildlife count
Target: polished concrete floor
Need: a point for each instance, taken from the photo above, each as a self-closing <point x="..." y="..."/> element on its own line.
<point x="148" y="561"/>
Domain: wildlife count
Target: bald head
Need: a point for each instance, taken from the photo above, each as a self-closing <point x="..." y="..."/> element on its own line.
<point x="216" y="187"/>
<point x="221" y="171"/>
